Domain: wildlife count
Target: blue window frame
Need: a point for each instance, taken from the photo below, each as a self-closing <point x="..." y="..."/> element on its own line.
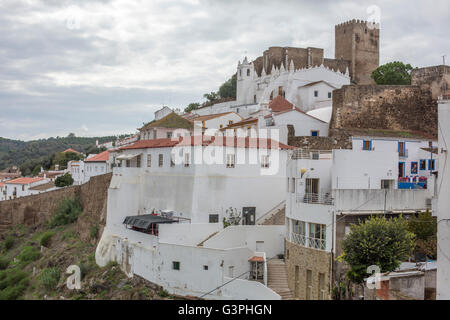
<point x="414" y="167"/>
<point x="431" y="164"/>
<point x="401" y="165"/>
<point x="367" y="145"/>
<point x="423" y="165"/>
<point x="401" y="149"/>
<point x="314" y="133"/>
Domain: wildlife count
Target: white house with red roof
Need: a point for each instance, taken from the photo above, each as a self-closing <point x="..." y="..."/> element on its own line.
<point x="93" y="165"/>
<point x="20" y="187"/>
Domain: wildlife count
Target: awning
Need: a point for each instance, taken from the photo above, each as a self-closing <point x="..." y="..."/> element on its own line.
<point x="128" y="156"/>
<point x="144" y="221"/>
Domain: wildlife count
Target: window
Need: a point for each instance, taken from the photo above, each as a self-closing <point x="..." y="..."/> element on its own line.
<point x="321" y="286"/>
<point x="230" y="121"/>
<point x="317" y="236"/>
<point x="149" y="160"/>
<point x="205" y="267"/>
<point x="230" y="160"/>
<point x="248" y="72"/>
<point x="254" y="98"/>
<point x="176" y="265"/>
<point x="299" y="227"/>
<point x="169" y="135"/>
<point x="308" y="284"/>
<point x="160" y="160"/>
<point x="287" y="188"/>
<point x="293" y="185"/>
<point x="386" y="184"/>
<point x="413" y="167"/>
<point x="329" y="95"/>
<point x="401" y="149"/>
<point x="128" y="165"/>
<point x="23" y="187"/>
<point x="314" y="133"/>
<point x="431" y="164"/>
<point x="423" y="165"/>
<point x="316" y="93"/>
<point x="264" y="161"/>
<point x="213" y="218"/>
<point x="172" y="163"/>
<point x="280" y="90"/>
<point x="203" y="124"/>
<point x="367" y="145"/>
<point x="138" y="162"/>
<point x="187" y="159"/>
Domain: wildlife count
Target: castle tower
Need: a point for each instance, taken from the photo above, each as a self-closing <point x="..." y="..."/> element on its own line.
<point x="358" y="42"/>
<point x="244" y="86"/>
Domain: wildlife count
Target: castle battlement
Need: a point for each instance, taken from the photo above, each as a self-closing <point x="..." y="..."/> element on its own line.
<point x="356" y="22"/>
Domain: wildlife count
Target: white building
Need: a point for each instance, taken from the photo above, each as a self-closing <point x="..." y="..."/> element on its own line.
<point x="2" y="191"/>
<point x="442" y="205"/>
<point x="329" y="190"/>
<point x="93" y="165"/>
<point x="193" y="182"/>
<point x="20" y="187"/>
<point x="76" y="170"/>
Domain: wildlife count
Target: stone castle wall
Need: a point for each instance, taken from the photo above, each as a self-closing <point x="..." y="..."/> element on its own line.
<point x="407" y="109"/>
<point x="435" y="79"/>
<point x="36" y="209"/>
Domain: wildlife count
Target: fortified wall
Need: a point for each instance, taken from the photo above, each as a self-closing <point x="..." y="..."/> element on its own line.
<point x="407" y="111"/>
<point x="36" y="209"/>
<point x="435" y="79"/>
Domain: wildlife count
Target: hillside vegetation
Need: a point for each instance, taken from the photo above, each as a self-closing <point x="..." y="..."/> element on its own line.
<point x="33" y="262"/>
<point x="31" y="154"/>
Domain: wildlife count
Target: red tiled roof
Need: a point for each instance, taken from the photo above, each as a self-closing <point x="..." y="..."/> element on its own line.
<point x="101" y="157"/>
<point x="280" y="104"/>
<point x="70" y="150"/>
<point x="244" y="142"/>
<point x="256" y="259"/>
<point x="23" y="180"/>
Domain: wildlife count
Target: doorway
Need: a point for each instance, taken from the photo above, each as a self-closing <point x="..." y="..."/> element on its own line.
<point x="401" y="169"/>
<point x="248" y="215"/>
<point x="312" y="190"/>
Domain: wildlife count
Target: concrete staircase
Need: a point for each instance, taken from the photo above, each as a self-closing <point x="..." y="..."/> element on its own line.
<point x="277" y="279"/>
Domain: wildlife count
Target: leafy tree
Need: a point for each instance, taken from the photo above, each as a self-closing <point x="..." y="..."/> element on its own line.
<point x="228" y="88"/>
<point x="63" y="158"/>
<point x="93" y="149"/>
<point x="64" y="180"/>
<point x="234" y="218"/>
<point x="393" y="73"/>
<point x="211" y="97"/>
<point x="424" y="226"/>
<point x="192" y="106"/>
<point x="376" y="241"/>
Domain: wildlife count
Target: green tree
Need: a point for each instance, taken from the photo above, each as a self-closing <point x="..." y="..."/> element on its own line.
<point x="228" y="88"/>
<point x="192" y="106"/>
<point x="393" y="73"/>
<point x="211" y="97"/>
<point x="424" y="226"/>
<point x="376" y="241"/>
<point x="64" y="180"/>
<point x="63" y="158"/>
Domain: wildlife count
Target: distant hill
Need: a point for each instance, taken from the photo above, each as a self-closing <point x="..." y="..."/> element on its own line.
<point x="29" y="154"/>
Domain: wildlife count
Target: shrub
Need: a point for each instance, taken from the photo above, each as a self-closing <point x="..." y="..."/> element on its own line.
<point x="64" y="181"/>
<point x="13" y="284"/>
<point x="46" y="237"/>
<point x="67" y="212"/>
<point x="50" y="278"/>
<point x="29" y="254"/>
<point x="4" y="263"/>
<point x="94" y="231"/>
<point x="8" y="243"/>
<point x="163" y="293"/>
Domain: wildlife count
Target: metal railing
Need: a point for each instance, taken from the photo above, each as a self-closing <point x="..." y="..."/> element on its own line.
<point x="315" y="198"/>
<point x="305" y="241"/>
<point x="311" y="154"/>
<point x="403" y="153"/>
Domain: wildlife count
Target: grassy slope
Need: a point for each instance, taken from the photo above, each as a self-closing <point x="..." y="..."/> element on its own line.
<point x="64" y="249"/>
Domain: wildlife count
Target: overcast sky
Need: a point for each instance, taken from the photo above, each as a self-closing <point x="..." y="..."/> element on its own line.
<point x="101" y="67"/>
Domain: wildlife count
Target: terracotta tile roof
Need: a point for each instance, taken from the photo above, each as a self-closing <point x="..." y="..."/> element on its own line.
<point x="101" y="157"/>
<point x="241" y="123"/>
<point x="280" y="104"/>
<point x="70" y="150"/>
<point x="256" y="259"/>
<point x="245" y="142"/>
<point x="24" y="180"/>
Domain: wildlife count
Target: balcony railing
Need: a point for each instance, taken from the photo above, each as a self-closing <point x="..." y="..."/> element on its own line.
<point x="315" y="198"/>
<point x="311" y="154"/>
<point x="305" y="241"/>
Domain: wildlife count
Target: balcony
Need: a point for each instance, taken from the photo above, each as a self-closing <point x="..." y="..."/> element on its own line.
<point x="309" y="242"/>
<point x="311" y="154"/>
<point x="315" y="198"/>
